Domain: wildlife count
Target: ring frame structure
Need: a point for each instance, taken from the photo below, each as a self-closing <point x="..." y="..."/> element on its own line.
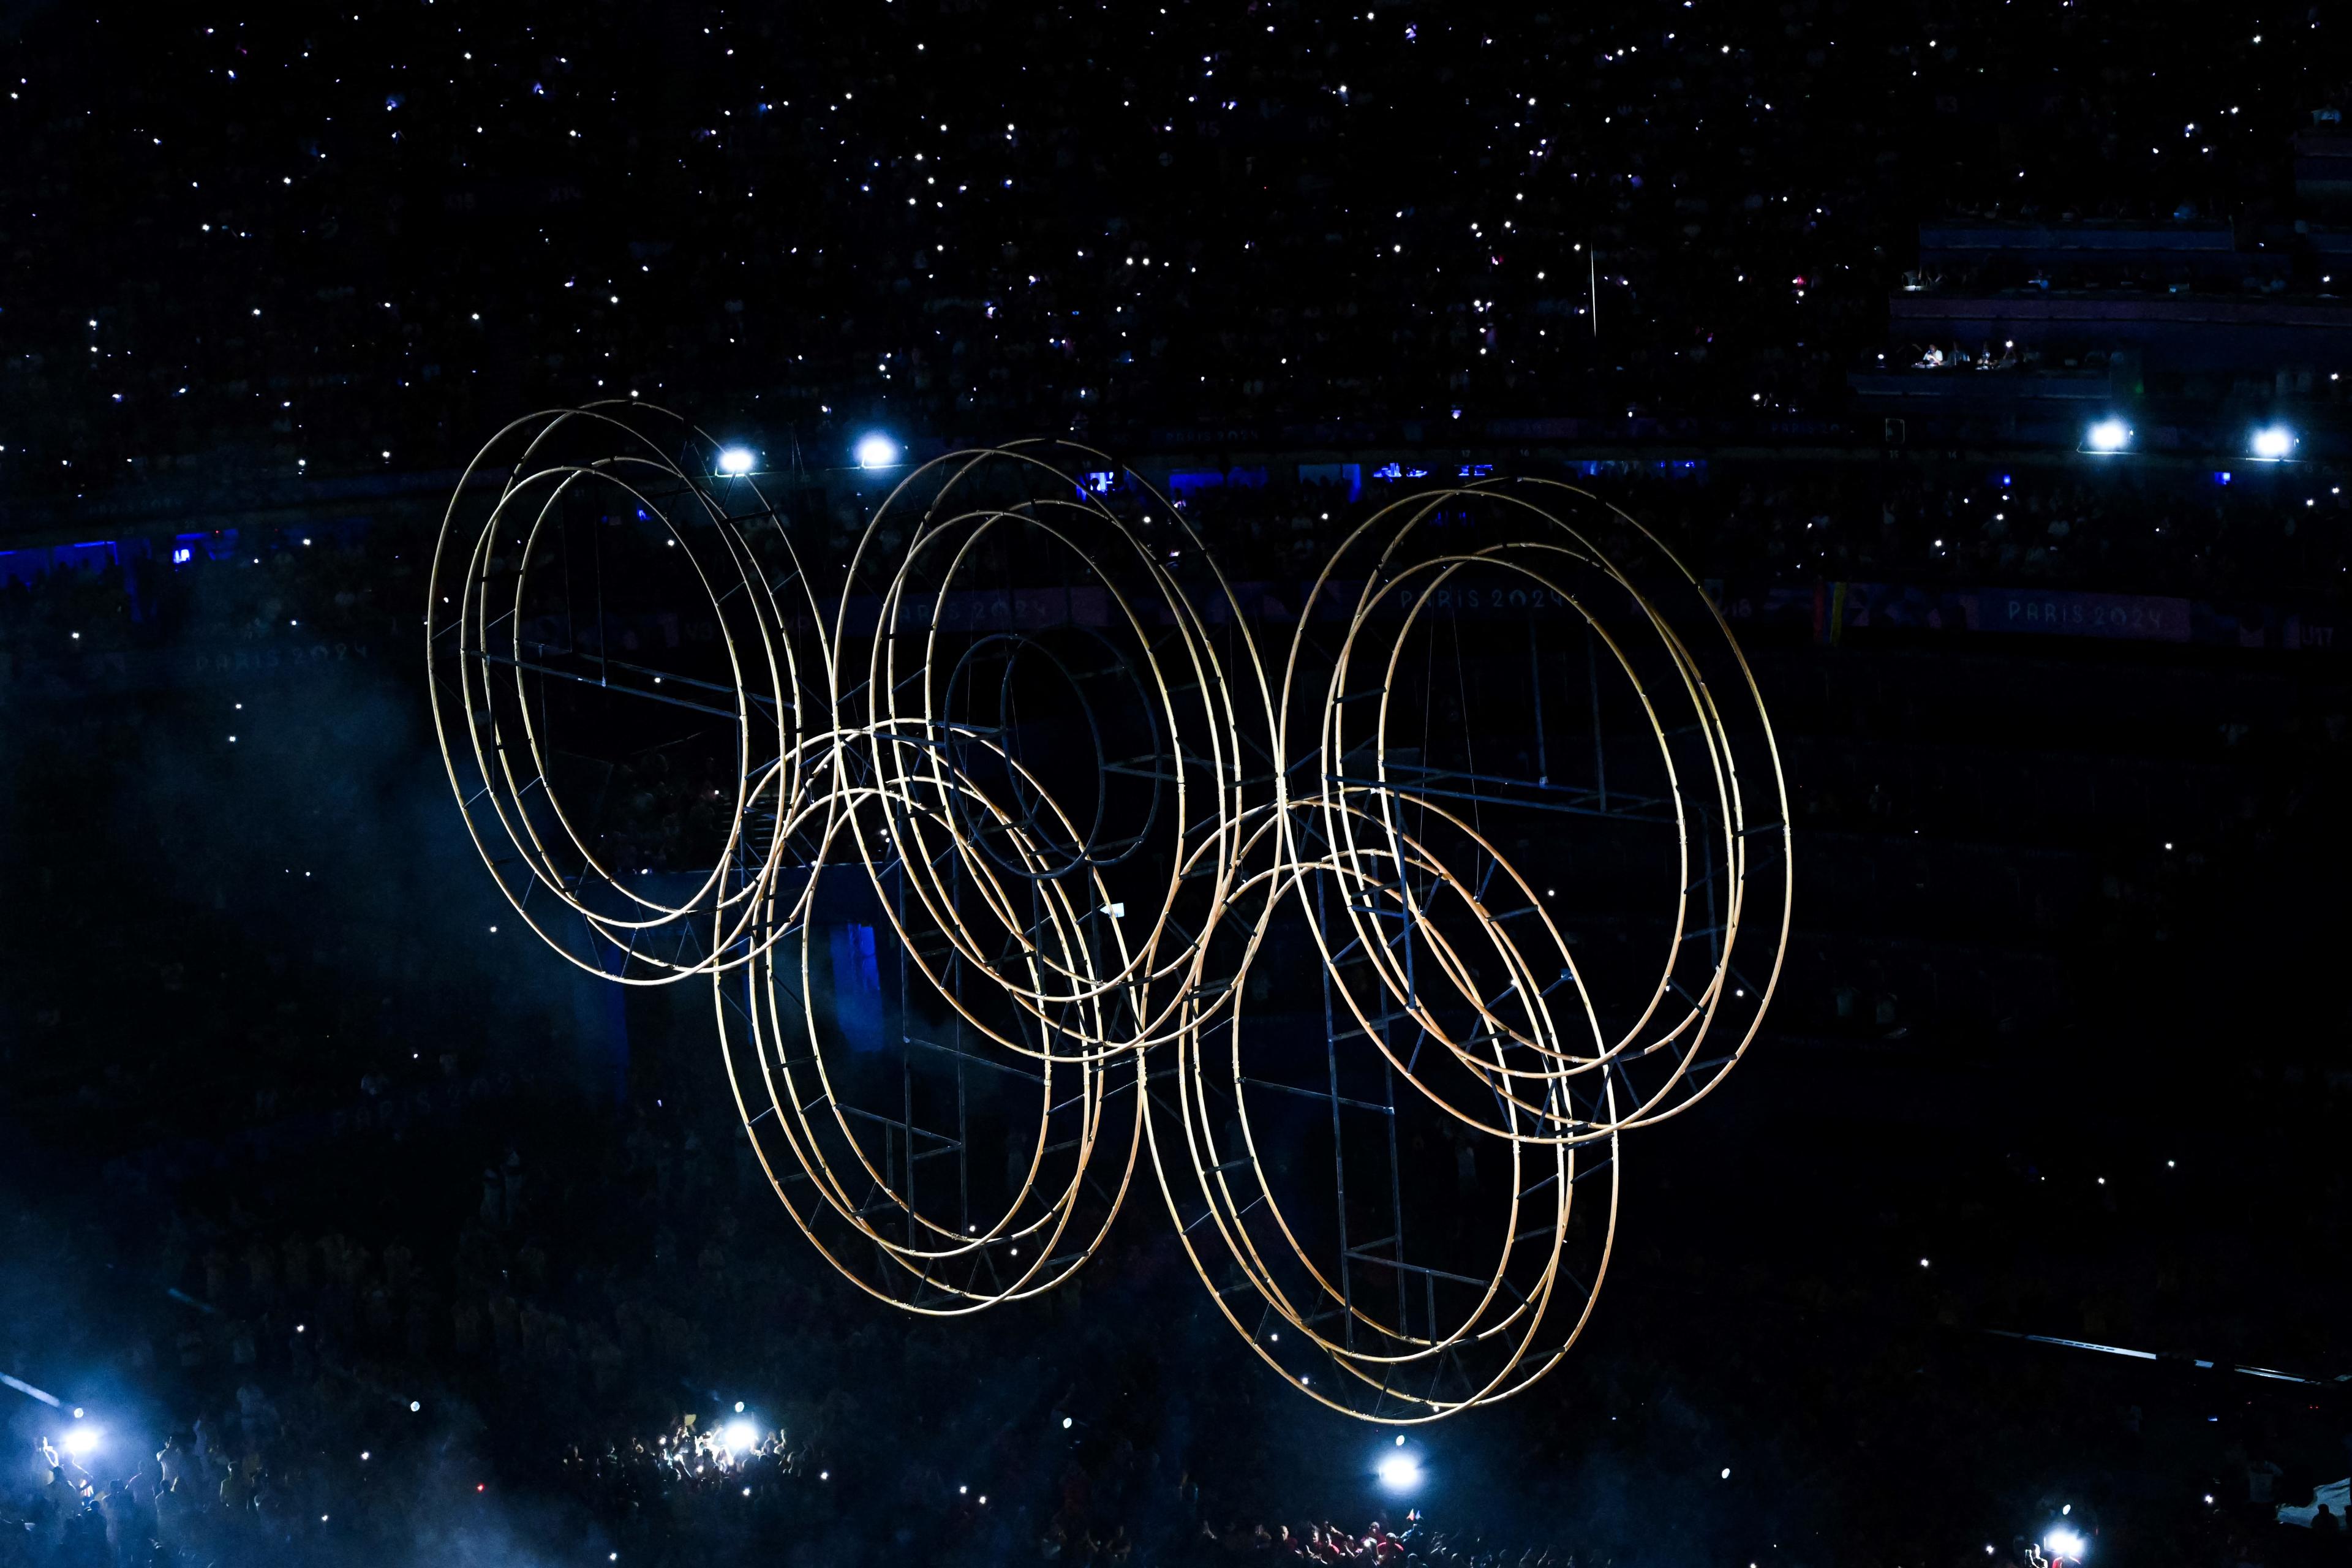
<point x="505" y="638"/>
<point x="1482" y="852"/>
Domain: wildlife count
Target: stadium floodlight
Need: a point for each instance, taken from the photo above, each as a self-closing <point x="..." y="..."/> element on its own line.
<point x="1398" y="1472"/>
<point x="80" y="1441"/>
<point x="735" y="460"/>
<point x="2107" y="436"/>
<point x="2065" y="1544"/>
<point x="876" y="450"/>
<point x="2273" y="443"/>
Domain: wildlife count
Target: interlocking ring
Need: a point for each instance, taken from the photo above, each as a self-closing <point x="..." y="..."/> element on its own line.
<point x="1310" y="934"/>
<point x="1040" y="661"/>
<point x="533" y="630"/>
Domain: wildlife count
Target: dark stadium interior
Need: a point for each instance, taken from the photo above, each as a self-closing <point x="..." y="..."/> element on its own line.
<point x="1980" y="361"/>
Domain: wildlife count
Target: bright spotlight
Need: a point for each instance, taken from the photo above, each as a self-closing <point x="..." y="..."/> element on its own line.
<point x="2274" y="442"/>
<point x="2065" y="1543"/>
<point x="1398" y="1472"/>
<point x="80" y="1441"/>
<point x="2108" y="435"/>
<point x="877" y="451"/>
<point x="742" y="1436"/>
<point x="735" y="460"/>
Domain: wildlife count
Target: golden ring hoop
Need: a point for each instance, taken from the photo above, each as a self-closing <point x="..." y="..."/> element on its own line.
<point x="1289" y="794"/>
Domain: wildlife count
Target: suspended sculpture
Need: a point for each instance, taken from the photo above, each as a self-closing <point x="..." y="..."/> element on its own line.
<point x="1020" y="847"/>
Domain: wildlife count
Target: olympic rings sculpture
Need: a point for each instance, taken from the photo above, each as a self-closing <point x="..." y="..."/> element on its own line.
<point x="1261" y="889"/>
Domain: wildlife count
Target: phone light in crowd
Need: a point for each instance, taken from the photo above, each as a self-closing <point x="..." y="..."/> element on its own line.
<point x="2107" y="436"/>
<point x="2273" y="443"/>
<point x="2064" y="1545"/>
<point x="1398" y="1472"/>
<point x="80" y="1441"/>
<point x="735" y="460"/>
<point x="877" y="451"/>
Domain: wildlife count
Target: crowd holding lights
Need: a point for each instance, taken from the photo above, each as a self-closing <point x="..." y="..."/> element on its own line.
<point x="308" y="594"/>
<point x="310" y="581"/>
<point x="1651" y="303"/>
<point x="2077" y="525"/>
<point x="940" y="310"/>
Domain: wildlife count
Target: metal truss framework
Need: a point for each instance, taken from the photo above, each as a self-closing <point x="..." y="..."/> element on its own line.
<point x="1156" y="878"/>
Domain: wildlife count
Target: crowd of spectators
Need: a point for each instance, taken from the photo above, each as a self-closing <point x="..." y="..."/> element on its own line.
<point x="435" y="1288"/>
<point x="352" y="1259"/>
<point x="358" y="240"/>
<point x="2261" y="532"/>
<point x="294" y="1373"/>
<point x="310" y="1398"/>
